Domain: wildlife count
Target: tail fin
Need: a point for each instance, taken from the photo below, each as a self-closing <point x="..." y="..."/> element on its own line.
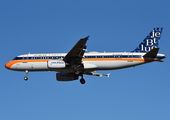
<point x="151" y="41"/>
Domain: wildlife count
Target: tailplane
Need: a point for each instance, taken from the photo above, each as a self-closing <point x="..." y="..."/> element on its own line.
<point x="151" y="41"/>
<point x="152" y="53"/>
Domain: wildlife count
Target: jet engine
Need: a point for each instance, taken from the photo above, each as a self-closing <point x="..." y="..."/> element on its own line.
<point x="66" y="76"/>
<point x="56" y="64"/>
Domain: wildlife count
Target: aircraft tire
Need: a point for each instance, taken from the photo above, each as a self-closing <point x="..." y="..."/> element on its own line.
<point x="25" y="78"/>
<point x="82" y="81"/>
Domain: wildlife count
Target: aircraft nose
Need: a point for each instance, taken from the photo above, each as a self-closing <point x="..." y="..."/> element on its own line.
<point x="8" y="65"/>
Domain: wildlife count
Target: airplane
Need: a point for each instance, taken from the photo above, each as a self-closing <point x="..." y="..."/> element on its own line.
<point x="76" y="62"/>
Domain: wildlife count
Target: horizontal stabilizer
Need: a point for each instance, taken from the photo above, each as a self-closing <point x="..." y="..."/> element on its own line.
<point x="159" y="60"/>
<point x="152" y="54"/>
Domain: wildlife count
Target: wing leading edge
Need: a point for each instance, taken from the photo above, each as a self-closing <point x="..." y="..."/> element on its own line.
<point x="75" y="55"/>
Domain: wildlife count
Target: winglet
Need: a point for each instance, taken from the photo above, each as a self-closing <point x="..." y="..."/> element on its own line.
<point x="87" y="37"/>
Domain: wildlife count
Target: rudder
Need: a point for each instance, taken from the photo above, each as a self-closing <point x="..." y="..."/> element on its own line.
<point x="151" y="41"/>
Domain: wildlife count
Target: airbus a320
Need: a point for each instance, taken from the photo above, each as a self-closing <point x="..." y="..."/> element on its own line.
<point x="76" y="62"/>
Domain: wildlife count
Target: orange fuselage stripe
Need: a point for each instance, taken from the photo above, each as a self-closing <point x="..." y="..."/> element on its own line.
<point x="9" y="64"/>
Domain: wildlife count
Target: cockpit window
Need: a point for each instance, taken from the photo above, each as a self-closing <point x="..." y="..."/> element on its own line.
<point x="15" y="58"/>
<point x="18" y="58"/>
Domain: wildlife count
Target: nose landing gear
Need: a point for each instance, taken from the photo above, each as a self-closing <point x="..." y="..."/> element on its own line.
<point x="26" y="78"/>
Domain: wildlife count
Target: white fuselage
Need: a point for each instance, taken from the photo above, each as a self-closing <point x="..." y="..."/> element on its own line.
<point x="92" y="61"/>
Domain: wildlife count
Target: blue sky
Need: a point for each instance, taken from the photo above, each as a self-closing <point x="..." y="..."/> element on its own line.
<point x="39" y="26"/>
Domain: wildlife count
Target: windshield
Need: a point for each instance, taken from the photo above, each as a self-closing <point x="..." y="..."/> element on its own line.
<point x="15" y="58"/>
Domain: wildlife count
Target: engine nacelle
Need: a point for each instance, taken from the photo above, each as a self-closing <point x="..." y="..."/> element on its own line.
<point x="56" y="64"/>
<point x="66" y="76"/>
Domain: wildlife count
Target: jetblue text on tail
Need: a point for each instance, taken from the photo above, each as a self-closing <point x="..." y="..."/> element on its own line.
<point x="151" y="41"/>
<point x="76" y="62"/>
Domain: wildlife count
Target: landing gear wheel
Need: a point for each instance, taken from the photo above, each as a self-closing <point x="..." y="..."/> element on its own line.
<point x="25" y="78"/>
<point x="82" y="81"/>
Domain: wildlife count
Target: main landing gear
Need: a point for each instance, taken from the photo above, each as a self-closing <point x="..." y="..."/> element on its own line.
<point x="82" y="81"/>
<point x="26" y="78"/>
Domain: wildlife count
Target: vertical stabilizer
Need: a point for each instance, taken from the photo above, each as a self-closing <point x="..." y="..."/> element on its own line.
<point x="151" y="41"/>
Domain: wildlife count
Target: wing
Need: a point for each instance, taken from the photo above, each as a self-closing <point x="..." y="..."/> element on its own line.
<point x="75" y="55"/>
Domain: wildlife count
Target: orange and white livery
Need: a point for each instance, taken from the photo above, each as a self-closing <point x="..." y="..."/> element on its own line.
<point x="76" y="62"/>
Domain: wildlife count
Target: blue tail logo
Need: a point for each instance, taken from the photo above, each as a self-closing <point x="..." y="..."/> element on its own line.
<point x="151" y="41"/>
